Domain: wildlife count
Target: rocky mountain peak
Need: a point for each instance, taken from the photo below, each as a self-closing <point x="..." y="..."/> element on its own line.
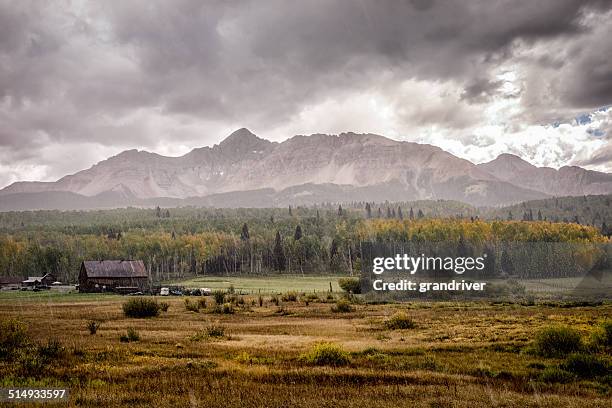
<point x="242" y="135"/>
<point x="512" y="160"/>
<point x="243" y="141"/>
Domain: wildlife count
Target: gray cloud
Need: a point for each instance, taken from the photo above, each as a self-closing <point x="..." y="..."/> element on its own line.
<point x="108" y="72"/>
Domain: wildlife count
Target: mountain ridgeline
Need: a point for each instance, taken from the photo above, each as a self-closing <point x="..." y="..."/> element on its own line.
<point x="247" y="171"/>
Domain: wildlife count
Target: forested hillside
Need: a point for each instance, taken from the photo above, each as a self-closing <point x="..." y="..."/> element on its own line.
<point x="589" y="210"/>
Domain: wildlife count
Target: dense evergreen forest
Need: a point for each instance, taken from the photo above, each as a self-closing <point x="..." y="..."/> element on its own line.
<point x="182" y="242"/>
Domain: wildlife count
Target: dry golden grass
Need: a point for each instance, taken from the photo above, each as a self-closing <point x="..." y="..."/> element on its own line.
<point x="458" y="355"/>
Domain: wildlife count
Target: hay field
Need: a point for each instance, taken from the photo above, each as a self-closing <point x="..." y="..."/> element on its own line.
<point x="456" y="355"/>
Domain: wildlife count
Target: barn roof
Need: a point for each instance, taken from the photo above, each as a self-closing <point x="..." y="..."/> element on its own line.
<point x="35" y="279"/>
<point x="115" y="269"/>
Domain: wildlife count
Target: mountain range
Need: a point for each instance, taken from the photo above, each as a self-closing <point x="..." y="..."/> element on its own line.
<point x="247" y="171"/>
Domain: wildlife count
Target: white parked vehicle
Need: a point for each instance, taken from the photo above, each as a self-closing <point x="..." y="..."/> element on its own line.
<point x="164" y="291"/>
<point x="205" y="291"/>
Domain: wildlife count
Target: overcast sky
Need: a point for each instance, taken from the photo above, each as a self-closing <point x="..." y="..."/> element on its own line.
<point x="81" y="81"/>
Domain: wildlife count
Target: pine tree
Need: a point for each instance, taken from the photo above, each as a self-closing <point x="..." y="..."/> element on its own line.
<point x="510" y="216"/>
<point x="399" y="213"/>
<point x="506" y="264"/>
<point x="333" y="250"/>
<point x="298" y="233"/>
<point x="290" y="211"/>
<point x="244" y="234"/>
<point x="420" y="214"/>
<point x="340" y="211"/>
<point x="411" y="214"/>
<point x="379" y="215"/>
<point x="279" y="253"/>
<point x="539" y="215"/>
<point x="388" y="212"/>
<point x="368" y="210"/>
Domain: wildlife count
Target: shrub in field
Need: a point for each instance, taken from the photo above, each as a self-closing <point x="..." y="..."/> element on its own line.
<point x="191" y="306"/>
<point x="274" y="299"/>
<point x="31" y="365"/>
<point x="202" y="303"/>
<point x="215" y="331"/>
<point x="310" y="297"/>
<point x="557" y="341"/>
<point x="227" y="308"/>
<point x="93" y="327"/>
<point x="131" y="335"/>
<point x="342" y="306"/>
<point x="210" y="332"/>
<point x="602" y="337"/>
<point x="164" y="306"/>
<point x="400" y="321"/>
<point x="141" y="307"/>
<point x="51" y="350"/>
<point x="326" y="354"/>
<point x="219" y="297"/>
<point x="585" y="365"/>
<point x="260" y="300"/>
<point x="13" y="336"/>
<point x="350" y="285"/>
<point x="246" y="358"/>
<point x="290" y="297"/>
<point x="555" y="375"/>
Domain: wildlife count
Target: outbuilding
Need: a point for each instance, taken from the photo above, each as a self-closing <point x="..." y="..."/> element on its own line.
<point x="122" y="276"/>
<point x="45" y="280"/>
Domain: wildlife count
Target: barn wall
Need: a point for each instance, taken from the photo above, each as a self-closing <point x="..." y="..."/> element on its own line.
<point x="89" y="284"/>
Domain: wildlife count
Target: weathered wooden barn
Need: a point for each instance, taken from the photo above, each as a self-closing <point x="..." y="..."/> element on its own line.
<point x="113" y="276"/>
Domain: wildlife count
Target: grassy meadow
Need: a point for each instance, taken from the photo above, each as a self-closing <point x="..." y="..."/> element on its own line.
<point x="302" y="350"/>
<point x="268" y="285"/>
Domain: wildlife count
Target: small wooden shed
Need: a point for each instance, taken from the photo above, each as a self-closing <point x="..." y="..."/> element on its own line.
<point x="45" y="280"/>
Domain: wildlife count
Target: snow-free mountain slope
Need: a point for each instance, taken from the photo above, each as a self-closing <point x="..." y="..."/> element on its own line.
<point x="567" y="181"/>
<point x="361" y="166"/>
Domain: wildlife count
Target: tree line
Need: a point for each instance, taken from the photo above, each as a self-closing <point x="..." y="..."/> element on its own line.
<point x="180" y="243"/>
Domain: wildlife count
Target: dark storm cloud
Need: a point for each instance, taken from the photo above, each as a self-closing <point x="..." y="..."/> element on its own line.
<point x="267" y="59"/>
<point x="480" y="90"/>
<point x="72" y="72"/>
